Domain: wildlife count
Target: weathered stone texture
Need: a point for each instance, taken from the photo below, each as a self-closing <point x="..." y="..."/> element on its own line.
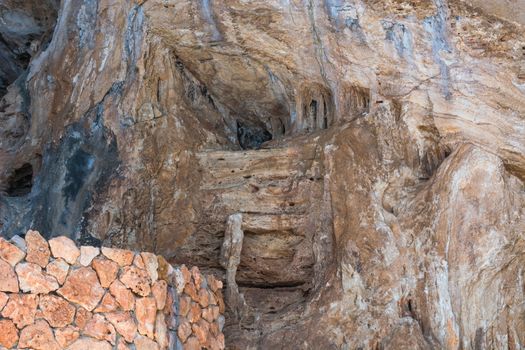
<point x="137" y="280"/>
<point x="33" y="280"/>
<point x="8" y="334"/>
<point x="21" y="308"/>
<point x="83" y="288"/>
<point x="37" y="249"/>
<point x="56" y="311"/>
<point x="8" y="278"/>
<point x="10" y="252"/>
<point x="63" y="247"/>
<point x="94" y="309"/>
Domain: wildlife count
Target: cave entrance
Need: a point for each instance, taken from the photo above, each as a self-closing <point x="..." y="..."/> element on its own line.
<point x="20" y="182"/>
<point x="251" y="135"/>
<point x="17" y="45"/>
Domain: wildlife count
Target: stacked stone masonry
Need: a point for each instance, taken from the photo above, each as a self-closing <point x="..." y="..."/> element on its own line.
<point x="54" y="295"/>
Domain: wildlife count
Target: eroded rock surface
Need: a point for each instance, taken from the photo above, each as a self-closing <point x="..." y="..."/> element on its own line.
<point x="375" y="151"/>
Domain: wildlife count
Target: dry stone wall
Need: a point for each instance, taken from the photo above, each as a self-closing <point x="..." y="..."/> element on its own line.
<point x="55" y="295"/>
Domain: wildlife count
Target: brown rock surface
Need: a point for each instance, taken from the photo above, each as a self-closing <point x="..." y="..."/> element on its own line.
<point x="184" y="330"/>
<point x="144" y="343"/>
<point x="33" y="280"/>
<point x="161" y="331"/>
<point x="195" y="312"/>
<point x="122" y="345"/>
<point x="214" y="329"/>
<point x="66" y="336"/>
<point x="145" y="312"/>
<point x="21" y="308"/>
<point x="83" y="288"/>
<point x="89" y="344"/>
<point x="124" y="324"/>
<point x="8" y="334"/>
<point x="197" y="277"/>
<point x="56" y="311"/>
<point x="107" y="304"/>
<point x="186" y="274"/>
<point x="201" y="330"/>
<point x="165" y="269"/>
<point x="151" y="265"/>
<point x="65" y="248"/>
<point x="192" y="291"/>
<point x="184" y="305"/>
<point x="139" y="262"/>
<point x="3" y="300"/>
<point x="123" y="295"/>
<point x="8" y="279"/>
<point x="160" y="293"/>
<point x="192" y="344"/>
<point x="214" y="283"/>
<point x="375" y="150"/>
<point x="211" y="313"/>
<point x="99" y="328"/>
<point x="216" y="344"/>
<point x="38" y="336"/>
<point x="10" y="253"/>
<point x="37" y="249"/>
<point x="204" y="297"/>
<point x="136" y="279"/>
<point x="82" y="317"/>
<point x="220" y="341"/>
<point x="107" y="271"/>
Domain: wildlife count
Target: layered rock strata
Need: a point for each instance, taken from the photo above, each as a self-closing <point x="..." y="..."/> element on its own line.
<point x="55" y="296"/>
<point x="374" y="149"/>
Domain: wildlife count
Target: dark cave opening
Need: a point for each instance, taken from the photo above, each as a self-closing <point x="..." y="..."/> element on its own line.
<point x="252" y="136"/>
<point x="30" y="34"/>
<point x="325" y="116"/>
<point x="20" y="182"/>
<point x="313" y="112"/>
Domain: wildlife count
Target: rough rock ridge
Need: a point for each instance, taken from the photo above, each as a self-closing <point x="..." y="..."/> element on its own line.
<point x="372" y="153"/>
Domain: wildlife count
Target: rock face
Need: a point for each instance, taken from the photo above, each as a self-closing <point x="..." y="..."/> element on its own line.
<point x="374" y="152"/>
<point x="26" y="28"/>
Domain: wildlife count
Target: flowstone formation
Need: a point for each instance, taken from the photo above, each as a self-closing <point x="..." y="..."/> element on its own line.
<point x="353" y="169"/>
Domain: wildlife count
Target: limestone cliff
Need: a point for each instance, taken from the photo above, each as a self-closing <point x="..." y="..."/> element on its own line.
<point x="354" y="168"/>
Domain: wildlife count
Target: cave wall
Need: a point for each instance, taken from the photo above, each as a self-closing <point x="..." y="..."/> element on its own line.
<point x="375" y="149"/>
